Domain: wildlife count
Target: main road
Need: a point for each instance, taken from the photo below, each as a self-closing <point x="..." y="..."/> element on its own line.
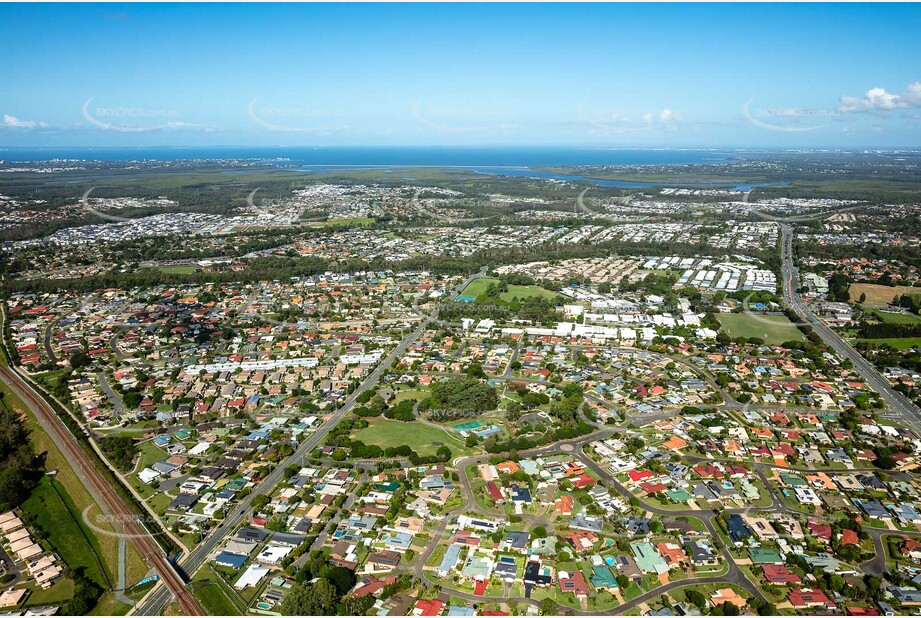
<point x="157" y="599"/>
<point x="908" y="412"/>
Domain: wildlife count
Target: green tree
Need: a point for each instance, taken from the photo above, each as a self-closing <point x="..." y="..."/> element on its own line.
<point x="310" y="599"/>
<point x="547" y="607"/>
<point x="696" y="597"/>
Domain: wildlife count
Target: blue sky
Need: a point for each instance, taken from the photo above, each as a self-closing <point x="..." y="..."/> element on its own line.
<point x="608" y="75"/>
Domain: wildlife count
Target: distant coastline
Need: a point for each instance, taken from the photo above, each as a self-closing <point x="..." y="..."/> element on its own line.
<point x="410" y="156"/>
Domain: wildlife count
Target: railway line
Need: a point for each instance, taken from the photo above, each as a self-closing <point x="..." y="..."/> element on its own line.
<point x="119" y="514"/>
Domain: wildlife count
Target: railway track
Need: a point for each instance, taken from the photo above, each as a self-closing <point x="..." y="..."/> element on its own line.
<point x="117" y="512"/>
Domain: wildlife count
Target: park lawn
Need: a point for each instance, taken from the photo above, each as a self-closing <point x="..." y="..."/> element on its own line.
<point x="897" y="318"/>
<point x="902" y="343"/>
<point x="773" y="329"/>
<point x="414" y="394"/>
<point x="478" y="287"/>
<point x="879" y="295"/>
<point x="422" y="438"/>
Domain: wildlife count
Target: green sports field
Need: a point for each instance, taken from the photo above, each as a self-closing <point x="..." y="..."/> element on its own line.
<point x="178" y="270"/>
<point x="774" y="329"/>
<point x="422" y="438"/>
<point x="897" y="318"/>
<point x="902" y="343"/>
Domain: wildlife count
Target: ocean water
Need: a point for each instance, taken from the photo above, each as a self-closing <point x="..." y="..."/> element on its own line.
<point x="387" y="156"/>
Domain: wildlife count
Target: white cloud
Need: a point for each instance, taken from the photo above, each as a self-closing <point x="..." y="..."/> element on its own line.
<point x="879" y="100"/>
<point x="913" y="94"/>
<point x="13" y="122"/>
<point x="668" y="115"/>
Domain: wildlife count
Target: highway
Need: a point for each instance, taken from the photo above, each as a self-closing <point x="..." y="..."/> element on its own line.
<point x="154" y="603"/>
<point x="900" y="405"/>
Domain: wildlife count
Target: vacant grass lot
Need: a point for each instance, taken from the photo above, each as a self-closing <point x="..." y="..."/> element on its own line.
<point x="58" y="594"/>
<point x="879" y="295"/>
<point x="478" y="286"/>
<point x="214" y="594"/>
<point x="150" y="454"/>
<point x="774" y="329"/>
<point x="49" y="379"/>
<point x="899" y="343"/>
<point x="414" y="394"/>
